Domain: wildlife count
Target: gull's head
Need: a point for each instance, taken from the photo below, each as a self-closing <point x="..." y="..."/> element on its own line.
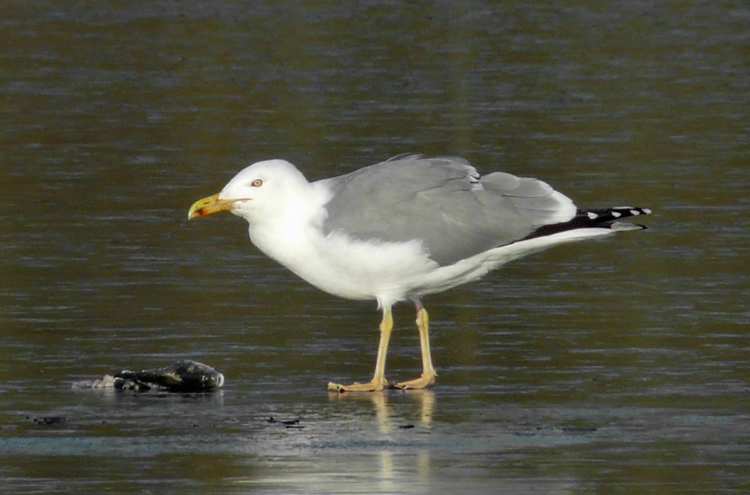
<point x="257" y="191"/>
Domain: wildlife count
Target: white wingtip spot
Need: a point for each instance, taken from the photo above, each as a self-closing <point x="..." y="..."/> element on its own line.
<point x="647" y="211"/>
<point x="592" y="215"/>
<point x="635" y="213"/>
<point x="616" y="214"/>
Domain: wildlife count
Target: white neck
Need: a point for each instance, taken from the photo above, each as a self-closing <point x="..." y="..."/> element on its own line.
<point x="286" y="234"/>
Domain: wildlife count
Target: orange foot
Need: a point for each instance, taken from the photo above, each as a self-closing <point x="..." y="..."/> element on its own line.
<point x="423" y="381"/>
<point x="371" y="386"/>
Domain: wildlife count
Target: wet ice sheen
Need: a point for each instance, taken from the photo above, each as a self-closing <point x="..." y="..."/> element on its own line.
<point x="611" y="367"/>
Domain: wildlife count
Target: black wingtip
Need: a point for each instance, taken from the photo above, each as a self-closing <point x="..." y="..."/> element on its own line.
<point x="608" y="218"/>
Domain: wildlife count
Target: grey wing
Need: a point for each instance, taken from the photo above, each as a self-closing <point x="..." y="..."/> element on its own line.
<point x="443" y="202"/>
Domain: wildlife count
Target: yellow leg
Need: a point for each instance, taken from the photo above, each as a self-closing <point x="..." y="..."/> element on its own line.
<point x="428" y="372"/>
<point x="378" y="381"/>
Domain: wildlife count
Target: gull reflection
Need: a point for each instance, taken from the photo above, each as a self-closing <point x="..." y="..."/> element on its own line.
<point x="391" y="465"/>
<point x="424" y="399"/>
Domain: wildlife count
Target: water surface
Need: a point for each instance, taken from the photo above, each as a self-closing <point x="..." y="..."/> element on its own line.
<point x="614" y="366"/>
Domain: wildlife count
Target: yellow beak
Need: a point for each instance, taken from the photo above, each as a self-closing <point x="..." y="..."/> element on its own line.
<point x="207" y="206"/>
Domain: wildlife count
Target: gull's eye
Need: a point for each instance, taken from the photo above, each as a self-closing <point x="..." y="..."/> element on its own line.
<point x="257" y="183"/>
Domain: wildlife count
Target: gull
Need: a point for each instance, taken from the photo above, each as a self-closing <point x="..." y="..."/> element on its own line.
<point x="403" y="229"/>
